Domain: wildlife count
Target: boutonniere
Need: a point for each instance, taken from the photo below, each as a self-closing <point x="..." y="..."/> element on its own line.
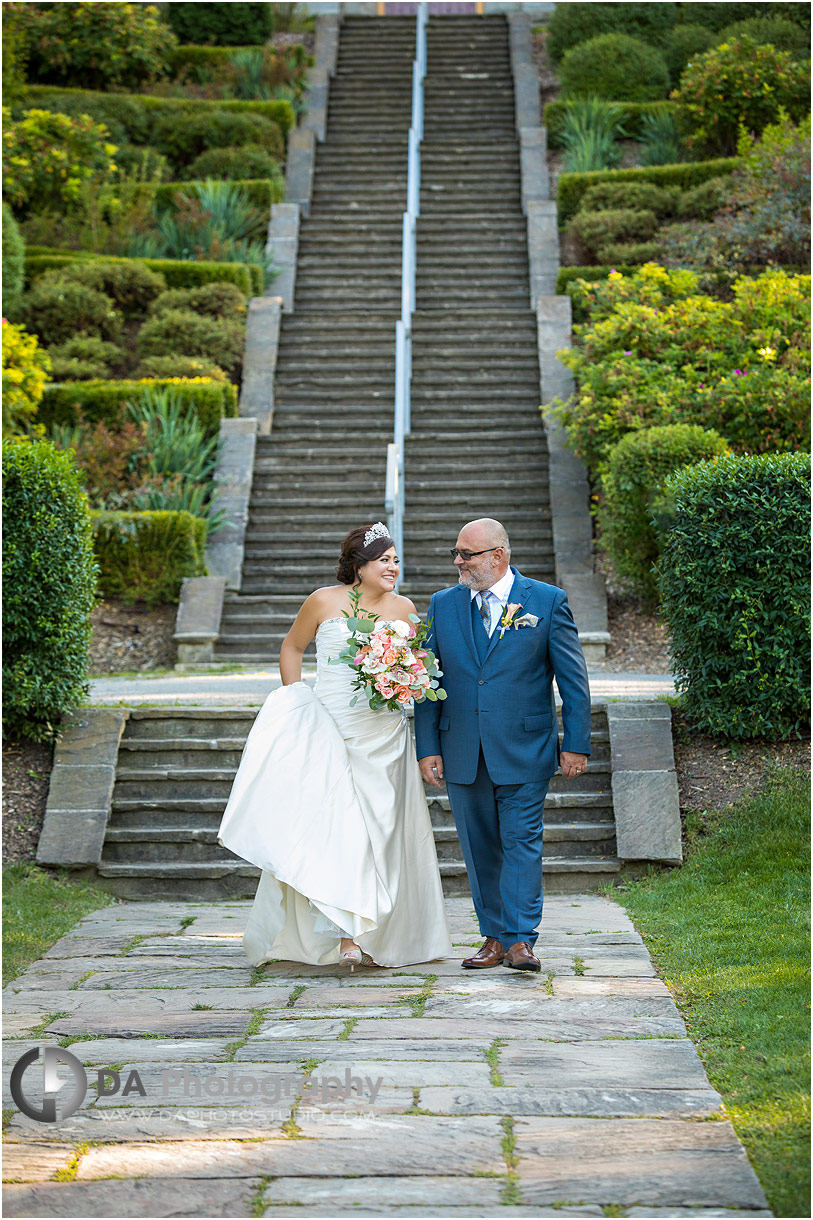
<point x="509" y="618"/>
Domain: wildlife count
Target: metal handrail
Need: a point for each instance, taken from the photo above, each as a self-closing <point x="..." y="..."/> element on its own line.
<point x="395" y="489"/>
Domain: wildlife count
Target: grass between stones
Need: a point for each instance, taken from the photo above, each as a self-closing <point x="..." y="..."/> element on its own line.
<point x="257" y="1203"/>
<point x="418" y="1002"/>
<point x="254" y="1026"/>
<point x="492" y="1058"/>
<point x="349" y="1026"/>
<point x="511" y="1193"/>
<point x="68" y="1173"/>
<point x="295" y="994"/>
<point x="38" y="909"/>
<point x="729" y="934"/>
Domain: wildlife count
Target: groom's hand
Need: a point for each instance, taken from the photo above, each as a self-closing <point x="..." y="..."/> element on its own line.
<point x="572" y="764"/>
<point x="431" y="769"/>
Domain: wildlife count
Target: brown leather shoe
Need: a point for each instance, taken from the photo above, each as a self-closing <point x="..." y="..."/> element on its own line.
<point x="520" y="957"/>
<point x="491" y="954"/>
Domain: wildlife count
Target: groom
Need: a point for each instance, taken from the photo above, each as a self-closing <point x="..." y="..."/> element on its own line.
<point x="500" y="638"/>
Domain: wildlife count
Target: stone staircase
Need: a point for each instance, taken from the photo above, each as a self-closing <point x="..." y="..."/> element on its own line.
<point x="173" y="778"/>
<point x="477" y="446"/>
<point x="321" y="471"/>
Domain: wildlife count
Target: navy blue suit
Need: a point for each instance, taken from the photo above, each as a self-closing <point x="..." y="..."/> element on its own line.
<point x="498" y="736"/>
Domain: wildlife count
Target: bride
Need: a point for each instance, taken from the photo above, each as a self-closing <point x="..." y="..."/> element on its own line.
<point x="328" y="800"/>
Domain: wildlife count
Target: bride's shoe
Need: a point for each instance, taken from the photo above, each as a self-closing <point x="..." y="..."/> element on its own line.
<point x="351" y="958"/>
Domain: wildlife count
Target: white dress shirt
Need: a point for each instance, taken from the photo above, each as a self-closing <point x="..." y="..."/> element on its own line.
<point x="500" y="592"/>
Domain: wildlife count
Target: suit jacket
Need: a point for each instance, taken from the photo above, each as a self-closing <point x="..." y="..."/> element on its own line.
<point x="506" y="704"/>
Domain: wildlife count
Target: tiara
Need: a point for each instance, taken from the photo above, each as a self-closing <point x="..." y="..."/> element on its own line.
<point x="379" y="530"/>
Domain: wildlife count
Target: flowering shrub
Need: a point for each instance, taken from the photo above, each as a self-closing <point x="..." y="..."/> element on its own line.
<point x="738" y="83"/>
<point x="26" y="370"/>
<point x="49" y="158"/>
<point x="97" y="45"/>
<point x="658" y="351"/>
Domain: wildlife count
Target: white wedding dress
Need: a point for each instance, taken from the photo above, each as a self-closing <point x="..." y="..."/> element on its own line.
<point x="328" y="801"/>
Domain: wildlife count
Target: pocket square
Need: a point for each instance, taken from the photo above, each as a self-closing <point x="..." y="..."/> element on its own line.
<point x="527" y="620"/>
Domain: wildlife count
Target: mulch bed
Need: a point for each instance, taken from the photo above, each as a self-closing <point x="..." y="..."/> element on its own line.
<point x="131" y="638"/>
<point x="26" y="775"/>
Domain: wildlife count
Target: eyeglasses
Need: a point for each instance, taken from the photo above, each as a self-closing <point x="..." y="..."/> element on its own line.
<point x="454" y="552"/>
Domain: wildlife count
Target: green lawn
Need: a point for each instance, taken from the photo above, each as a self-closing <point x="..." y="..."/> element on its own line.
<point x="729" y="934"/>
<point x="38" y="908"/>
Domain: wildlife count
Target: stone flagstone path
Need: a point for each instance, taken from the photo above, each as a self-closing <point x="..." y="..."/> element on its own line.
<point x="426" y="1091"/>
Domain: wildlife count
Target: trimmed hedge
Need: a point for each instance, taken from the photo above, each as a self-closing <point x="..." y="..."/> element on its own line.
<point x="614" y="66"/>
<point x="103" y="400"/>
<point x="573" y="186"/>
<point x="47" y="97"/>
<point x="735" y="590"/>
<point x="145" y="556"/>
<point x="49" y="587"/>
<point x="637" y="468"/>
<point x="178" y="272"/>
<point x="630" y="114"/>
<point x="573" y="23"/>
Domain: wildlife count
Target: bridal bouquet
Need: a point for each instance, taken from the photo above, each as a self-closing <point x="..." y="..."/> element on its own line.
<point x="390" y="665"/>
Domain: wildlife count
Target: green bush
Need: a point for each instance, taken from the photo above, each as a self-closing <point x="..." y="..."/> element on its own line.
<point x="159" y="367"/>
<point x="200" y="63"/>
<point x="13" y="263"/>
<point x="702" y="202"/>
<point x="659" y="351"/>
<point x="738" y="83"/>
<point x="26" y="371"/>
<point x="83" y="358"/>
<point x="226" y="25"/>
<point x="219" y="339"/>
<point x="762" y="214"/>
<point x="97" y="45"/>
<point x="596" y="231"/>
<point x="178" y="273"/>
<point x="661" y="143"/>
<point x="637" y="468"/>
<point x="735" y="590"/>
<point x="572" y="187"/>
<point x="15" y="52"/>
<point x="631" y="115"/>
<point x="574" y="23"/>
<point x="106" y="400"/>
<point x="614" y="66"/>
<point x="49" y="580"/>
<point x="684" y="42"/>
<point x="780" y="33"/>
<point x="56" y="307"/>
<point x="664" y="201"/>
<point x="50" y="159"/>
<point x="216" y="300"/>
<point x="183" y="142"/>
<point x="247" y="161"/>
<point x="131" y="117"/>
<point x="578" y="283"/>
<point x="145" y="556"/>
<point x="715" y="15"/>
<point x="180" y="458"/>
<point x="130" y="285"/>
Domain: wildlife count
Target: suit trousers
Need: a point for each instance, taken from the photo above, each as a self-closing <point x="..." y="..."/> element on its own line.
<point x="500" y="831"/>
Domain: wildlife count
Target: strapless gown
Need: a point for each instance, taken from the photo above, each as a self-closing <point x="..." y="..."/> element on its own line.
<point x="328" y="801"/>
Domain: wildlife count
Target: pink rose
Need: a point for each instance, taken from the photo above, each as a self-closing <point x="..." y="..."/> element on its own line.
<point x="404" y="696"/>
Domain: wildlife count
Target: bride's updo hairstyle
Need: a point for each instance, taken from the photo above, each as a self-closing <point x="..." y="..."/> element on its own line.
<point x="355" y="554"/>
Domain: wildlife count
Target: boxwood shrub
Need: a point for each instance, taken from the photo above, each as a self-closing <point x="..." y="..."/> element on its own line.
<point x="615" y="66"/>
<point x="49" y="583"/>
<point x="104" y="400"/>
<point x="573" y="186"/>
<point x="145" y="556"/>
<point x="225" y="24"/>
<point x="637" y="468"/>
<point x="574" y="23"/>
<point x="734" y="582"/>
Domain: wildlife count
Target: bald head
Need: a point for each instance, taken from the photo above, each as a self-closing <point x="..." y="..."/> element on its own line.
<point x="492" y="532"/>
<point x="486" y="541"/>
